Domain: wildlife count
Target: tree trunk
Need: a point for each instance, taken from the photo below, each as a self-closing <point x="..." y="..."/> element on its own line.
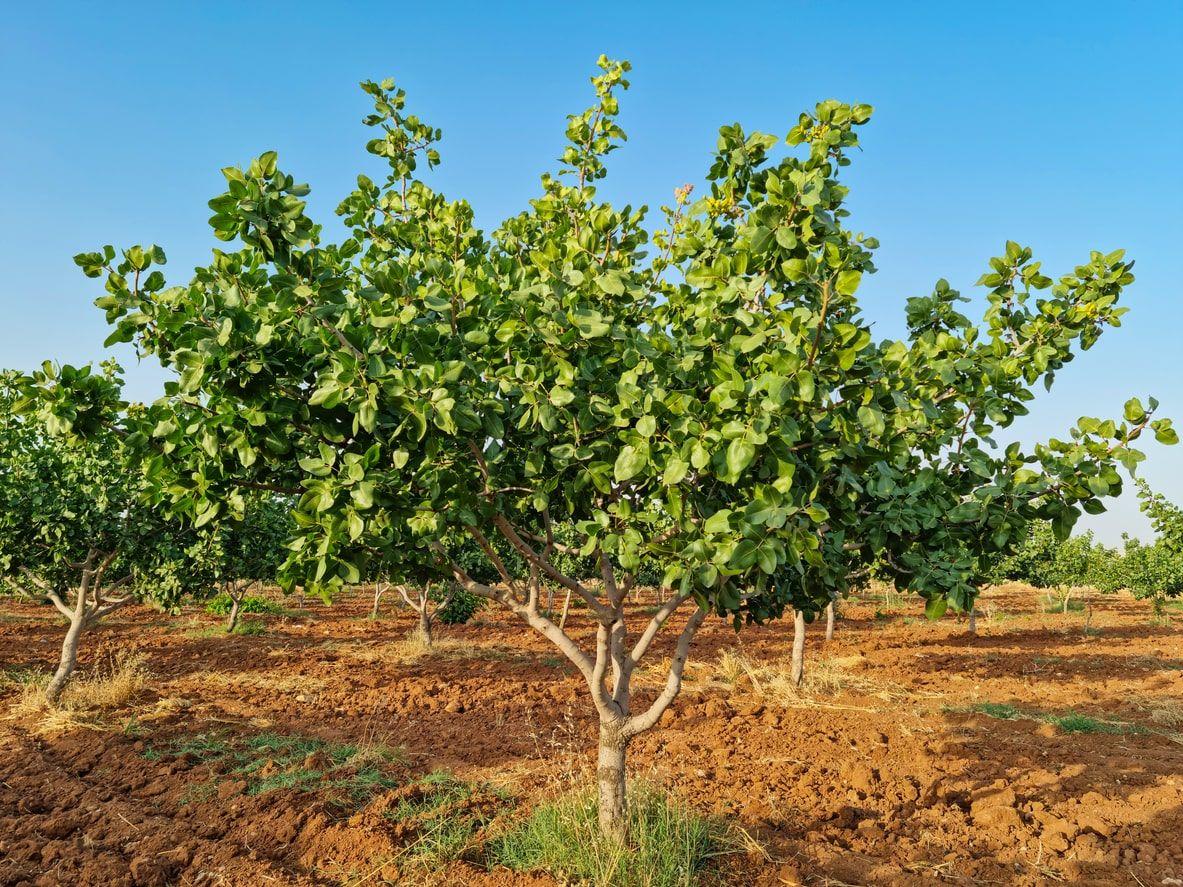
<point x="830" y="621"/>
<point x="425" y="625"/>
<point x="798" y="669"/>
<point x="65" y="669"/>
<point x="235" y="604"/>
<point x="377" y="598"/>
<point x="566" y="608"/>
<point x="610" y="779"/>
<point x="1067" y="597"/>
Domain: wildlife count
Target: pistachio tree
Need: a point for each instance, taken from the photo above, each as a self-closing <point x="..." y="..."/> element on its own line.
<point x="74" y="528"/>
<point x="247" y="552"/>
<point x="1057" y="565"/>
<point x="703" y="398"/>
<point x="1154" y="572"/>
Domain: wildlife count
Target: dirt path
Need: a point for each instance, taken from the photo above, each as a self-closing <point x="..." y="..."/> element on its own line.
<point x="1045" y="749"/>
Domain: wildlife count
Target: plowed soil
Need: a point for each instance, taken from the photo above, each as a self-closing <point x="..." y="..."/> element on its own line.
<point x="1047" y="748"/>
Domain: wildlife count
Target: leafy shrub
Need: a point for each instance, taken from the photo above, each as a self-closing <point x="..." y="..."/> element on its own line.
<point x="462" y="607"/>
<point x="220" y="605"/>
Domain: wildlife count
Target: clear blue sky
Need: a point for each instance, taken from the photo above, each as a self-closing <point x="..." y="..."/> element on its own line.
<point x="1054" y="124"/>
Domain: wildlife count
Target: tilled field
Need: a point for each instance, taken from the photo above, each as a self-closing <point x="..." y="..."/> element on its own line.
<point x="1046" y="749"/>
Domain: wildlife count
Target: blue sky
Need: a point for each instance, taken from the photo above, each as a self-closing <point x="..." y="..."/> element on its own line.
<point x="1054" y="124"/>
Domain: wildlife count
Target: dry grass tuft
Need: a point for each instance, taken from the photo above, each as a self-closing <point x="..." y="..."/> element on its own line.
<point x="270" y="681"/>
<point x="825" y="678"/>
<point x="1166" y="712"/>
<point x="114" y="684"/>
<point x="733" y="665"/>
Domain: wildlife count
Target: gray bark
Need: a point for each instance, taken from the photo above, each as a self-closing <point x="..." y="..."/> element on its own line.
<point x="610" y="779"/>
<point x="425" y="622"/>
<point x="830" y="621"/>
<point x="232" y="622"/>
<point x="68" y="660"/>
<point x="798" y="664"/>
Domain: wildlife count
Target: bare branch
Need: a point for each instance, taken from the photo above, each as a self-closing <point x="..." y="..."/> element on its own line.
<point x="642" y="722"/>
<point x="605" y="705"/>
<point x="655" y="624"/>
<point x="514" y="538"/>
<point x="530" y="616"/>
<point x="109" y="608"/>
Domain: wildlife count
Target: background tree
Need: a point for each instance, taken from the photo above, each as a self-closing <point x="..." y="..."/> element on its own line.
<point x="716" y="410"/>
<point x="1058" y="565"/>
<point x="74" y="528"/>
<point x="248" y="552"/>
<point x="1152" y="572"/>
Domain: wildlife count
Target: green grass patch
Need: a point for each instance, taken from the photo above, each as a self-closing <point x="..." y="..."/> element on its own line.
<point x="668" y="845"/>
<point x="997" y="710"/>
<point x="246" y="628"/>
<point x="1049" y="603"/>
<point x="19" y="676"/>
<point x="1070" y="722"/>
<point x="446" y="818"/>
<point x="274" y="762"/>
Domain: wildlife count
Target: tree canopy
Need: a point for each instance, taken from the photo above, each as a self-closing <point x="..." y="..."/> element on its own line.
<point x="703" y="396"/>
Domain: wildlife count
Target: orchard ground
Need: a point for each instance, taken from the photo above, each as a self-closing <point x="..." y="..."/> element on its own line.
<point x="321" y="748"/>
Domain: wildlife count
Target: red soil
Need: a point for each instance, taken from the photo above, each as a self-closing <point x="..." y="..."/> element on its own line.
<point x="887" y="778"/>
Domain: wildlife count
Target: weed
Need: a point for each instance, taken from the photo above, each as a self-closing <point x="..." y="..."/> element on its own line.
<point x="1074" y="722"/>
<point x="998" y="710"/>
<point x="733" y="665"/>
<point x="1052" y="603"/>
<point x="199" y="792"/>
<point x="220" y="605"/>
<point x="446" y="815"/>
<point x="668" y="844"/>
<point x="1167" y="712"/>
<point x="248" y="627"/>
<point x="18" y="676"/>
<point x="1070" y="722"/>
<point x="271" y="762"/>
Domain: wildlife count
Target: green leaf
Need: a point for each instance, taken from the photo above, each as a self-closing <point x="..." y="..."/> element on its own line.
<point x="740" y="453"/>
<point x="590" y="323"/>
<point x="936" y="607"/>
<point x="363" y="494"/>
<point x="848" y="282"/>
<point x="629" y="463"/>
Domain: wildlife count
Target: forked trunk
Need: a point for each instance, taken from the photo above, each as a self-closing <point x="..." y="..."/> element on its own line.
<point x="830" y="621"/>
<point x="377" y="598"/>
<point x="798" y="665"/>
<point x="69" y="659"/>
<point x="610" y="778"/>
<point x="1067" y="597"/>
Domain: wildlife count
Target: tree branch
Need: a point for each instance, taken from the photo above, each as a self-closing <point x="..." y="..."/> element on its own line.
<point x="640" y="723"/>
